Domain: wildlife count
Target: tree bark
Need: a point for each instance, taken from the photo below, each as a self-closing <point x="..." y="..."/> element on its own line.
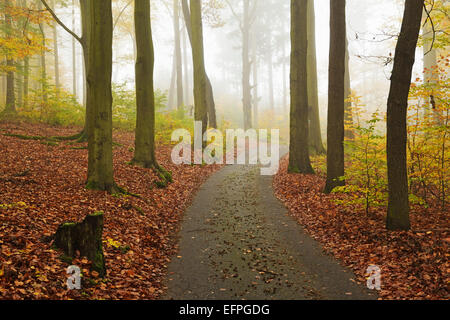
<point x="186" y="70"/>
<point x="144" y="154"/>
<point x="171" y="98"/>
<point x="178" y="57"/>
<point x="315" y="132"/>
<point x="211" y="106"/>
<point x="74" y="55"/>
<point x="430" y="69"/>
<point x="397" y="109"/>
<point x="336" y="97"/>
<point x="99" y="104"/>
<point x="255" y="87"/>
<point x="10" y="106"/>
<point x="55" y="51"/>
<point x="299" y="161"/>
<point x="200" y="95"/>
<point x="43" y="60"/>
<point x="85" y="237"/>
<point x="348" y="116"/>
<point x="246" y="68"/>
<point x="270" y="74"/>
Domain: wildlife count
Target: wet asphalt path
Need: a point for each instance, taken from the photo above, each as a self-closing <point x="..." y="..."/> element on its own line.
<point x="238" y="242"/>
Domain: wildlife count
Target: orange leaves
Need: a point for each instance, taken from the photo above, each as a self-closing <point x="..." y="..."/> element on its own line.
<point x="138" y="232"/>
<point x="414" y="265"/>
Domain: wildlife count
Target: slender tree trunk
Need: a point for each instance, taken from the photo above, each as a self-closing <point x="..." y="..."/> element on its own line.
<point x="170" y="101"/>
<point x="397" y="108"/>
<point x="178" y="57"/>
<point x="10" y="107"/>
<point x="19" y="83"/>
<point x="85" y="41"/>
<point x="315" y="132"/>
<point x="200" y="95"/>
<point x="349" y="134"/>
<point x="299" y="161"/>
<point x="186" y="70"/>
<point x="284" y="74"/>
<point x="144" y="154"/>
<point x="55" y="52"/>
<point x="100" y="164"/>
<point x="26" y="80"/>
<point x="336" y="97"/>
<point x="74" y="55"/>
<point x="246" y="67"/>
<point x="211" y="106"/>
<point x="430" y="68"/>
<point x="270" y="74"/>
<point x="255" y="88"/>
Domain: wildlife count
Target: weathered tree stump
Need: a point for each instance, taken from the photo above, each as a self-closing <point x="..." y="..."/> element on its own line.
<point x="86" y="237"/>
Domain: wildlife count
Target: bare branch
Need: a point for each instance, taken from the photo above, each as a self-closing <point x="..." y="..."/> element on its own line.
<point x="58" y="21"/>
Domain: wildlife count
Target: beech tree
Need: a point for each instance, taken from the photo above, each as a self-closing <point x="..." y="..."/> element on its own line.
<point x="299" y="161"/>
<point x="315" y="133"/>
<point x="245" y="26"/>
<point x="211" y="107"/>
<point x="144" y="154"/>
<point x="200" y="95"/>
<point x="10" y="108"/>
<point x="99" y="94"/>
<point x="336" y="96"/>
<point x="397" y="108"/>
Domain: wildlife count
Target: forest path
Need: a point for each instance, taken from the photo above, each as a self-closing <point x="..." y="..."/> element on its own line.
<point x="238" y="242"/>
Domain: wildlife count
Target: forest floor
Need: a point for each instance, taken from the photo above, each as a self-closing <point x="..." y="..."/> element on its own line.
<point x="238" y="242"/>
<point x="42" y="185"/>
<point x="414" y="264"/>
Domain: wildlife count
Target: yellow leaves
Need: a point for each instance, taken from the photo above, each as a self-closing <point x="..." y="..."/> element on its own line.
<point x="112" y="243"/>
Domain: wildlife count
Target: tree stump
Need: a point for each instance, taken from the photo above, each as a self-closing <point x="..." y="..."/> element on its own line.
<point x="86" y="237"/>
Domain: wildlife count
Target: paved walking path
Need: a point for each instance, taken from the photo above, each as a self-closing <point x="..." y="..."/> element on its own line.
<point x="238" y="242"/>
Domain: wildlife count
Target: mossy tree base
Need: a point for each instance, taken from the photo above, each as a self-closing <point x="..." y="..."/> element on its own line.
<point x="86" y="237"/>
<point x="165" y="176"/>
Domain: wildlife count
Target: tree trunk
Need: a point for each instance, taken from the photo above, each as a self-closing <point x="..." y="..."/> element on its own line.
<point x="186" y="71"/>
<point x="85" y="237"/>
<point x="144" y="154"/>
<point x="171" y="98"/>
<point x="246" y="68"/>
<point x="99" y="104"/>
<point x="44" y="86"/>
<point x="211" y="107"/>
<point x="200" y="95"/>
<point x="19" y="83"/>
<point x="315" y="132"/>
<point x="348" y="116"/>
<point x="26" y="80"/>
<point x="299" y="161"/>
<point x="336" y="97"/>
<point x="270" y="75"/>
<point x="10" y="106"/>
<point x="56" y="52"/>
<point x="74" y="55"/>
<point x="255" y="88"/>
<point x="397" y="109"/>
<point x="178" y="57"/>
<point x="430" y="68"/>
<point x="85" y="40"/>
